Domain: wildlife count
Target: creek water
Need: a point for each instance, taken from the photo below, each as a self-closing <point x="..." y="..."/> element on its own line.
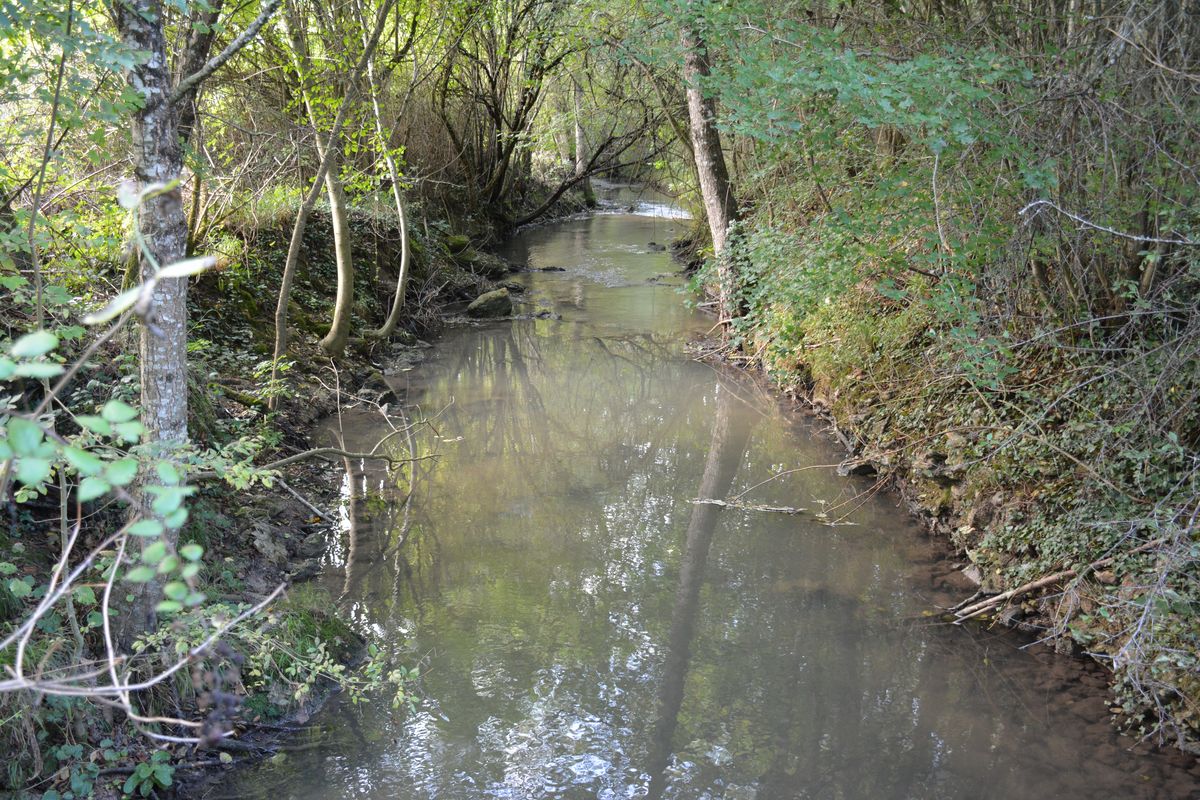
<point x="586" y="630"/>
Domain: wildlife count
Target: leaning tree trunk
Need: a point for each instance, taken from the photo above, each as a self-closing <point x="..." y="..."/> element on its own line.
<point x="157" y="159"/>
<point x="720" y="205"/>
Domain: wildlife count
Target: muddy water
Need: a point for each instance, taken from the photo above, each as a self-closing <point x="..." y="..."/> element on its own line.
<point x="586" y="630"/>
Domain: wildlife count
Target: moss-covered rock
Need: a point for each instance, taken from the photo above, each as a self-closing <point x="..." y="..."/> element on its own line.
<point x="496" y="303"/>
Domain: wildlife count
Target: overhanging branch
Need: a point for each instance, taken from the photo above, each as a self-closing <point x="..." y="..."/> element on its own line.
<point x="215" y="63"/>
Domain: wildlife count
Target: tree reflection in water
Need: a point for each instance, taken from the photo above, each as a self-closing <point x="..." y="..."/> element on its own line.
<point x="590" y="632"/>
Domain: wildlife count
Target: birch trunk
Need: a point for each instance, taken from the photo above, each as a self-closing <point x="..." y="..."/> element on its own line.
<point x="581" y="147"/>
<point x="157" y="159"/>
<point x="720" y="205"/>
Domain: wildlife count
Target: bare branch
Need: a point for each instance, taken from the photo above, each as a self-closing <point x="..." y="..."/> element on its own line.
<point x="215" y="63"/>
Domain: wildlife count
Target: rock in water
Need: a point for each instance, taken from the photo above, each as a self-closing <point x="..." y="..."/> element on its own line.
<point x="491" y="304"/>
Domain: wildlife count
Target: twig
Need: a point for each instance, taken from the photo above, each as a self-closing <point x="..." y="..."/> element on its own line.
<point x="319" y="452"/>
<point x="1114" y="232"/>
<point x="748" y="506"/>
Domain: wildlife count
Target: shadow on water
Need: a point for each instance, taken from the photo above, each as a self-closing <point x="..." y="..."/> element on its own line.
<point x="587" y="631"/>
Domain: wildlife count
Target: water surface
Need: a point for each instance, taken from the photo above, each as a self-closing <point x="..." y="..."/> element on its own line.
<point x="587" y="630"/>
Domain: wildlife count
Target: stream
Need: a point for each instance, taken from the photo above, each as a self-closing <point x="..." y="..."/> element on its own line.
<point x="586" y="630"/>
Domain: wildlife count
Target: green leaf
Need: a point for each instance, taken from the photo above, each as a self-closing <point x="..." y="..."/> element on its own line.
<point x="167" y="473"/>
<point x="7" y="568"/>
<point x="139" y="574"/>
<point x="83" y="461"/>
<point x="7" y="366"/>
<point x="95" y="424"/>
<point x="84" y="594"/>
<point x="121" y="473"/>
<point x="191" y="551"/>
<point x="38" y="369"/>
<point x="91" y="488"/>
<point x="169" y="499"/>
<point x="176" y="518"/>
<point x="154" y="552"/>
<point x="146" y="527"/>
<point x="19" y="588"/>
<point x="162" y="774"/>
<point x="129" y="432"/>
<point x="117" y="411"/>
<point x="35" y="344"/>
<point x="190" y="570"/>
<point x="176" y="590"/>
<point x="24" y="436"/>
<point x="168" y="564"/>
<point x="168" y="607"/>
<point x="195" y="598"/>
<point x="32" y="471"/>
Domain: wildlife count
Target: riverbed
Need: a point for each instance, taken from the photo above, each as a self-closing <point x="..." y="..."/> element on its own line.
<point x="587" y="626"/>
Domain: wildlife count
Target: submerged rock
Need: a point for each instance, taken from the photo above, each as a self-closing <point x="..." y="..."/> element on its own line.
<point x="497" y="303"/>
<point x="376" y="384"/>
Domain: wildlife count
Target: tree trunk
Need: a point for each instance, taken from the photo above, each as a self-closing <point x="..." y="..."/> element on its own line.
<point x="157" y="159"/>
<point x="339" y="330"/>
<point x="310" y="199"/>
<point x="393" y="317"/>
<point x="581" y="148"/>
<point x="720" y="205"/>
<point x="329" y="151"/>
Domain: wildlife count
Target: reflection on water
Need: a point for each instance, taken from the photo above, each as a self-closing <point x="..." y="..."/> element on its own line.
<point x="587" y="631"/>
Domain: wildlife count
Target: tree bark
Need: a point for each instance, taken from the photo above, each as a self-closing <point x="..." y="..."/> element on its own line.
<point x="720" y="204"/>
<point x="581" y="148"/>
<point x="335" y="340"/>
<point x="157" y="159"/>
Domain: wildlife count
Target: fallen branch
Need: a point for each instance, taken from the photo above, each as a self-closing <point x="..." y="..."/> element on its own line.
<point x="975" y="609"/>
<point x="325" y="453"/>
<point x="307" y="504"/>
<point x="748" y="506"/>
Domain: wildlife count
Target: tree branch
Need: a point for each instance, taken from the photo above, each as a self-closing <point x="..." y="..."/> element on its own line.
<point x="215" y="63"/>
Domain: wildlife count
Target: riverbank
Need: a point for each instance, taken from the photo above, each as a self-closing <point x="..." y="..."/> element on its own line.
<point x="265" y="508"/>
<point x="1050" y="459"/>
<point x="592" y="629"/>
